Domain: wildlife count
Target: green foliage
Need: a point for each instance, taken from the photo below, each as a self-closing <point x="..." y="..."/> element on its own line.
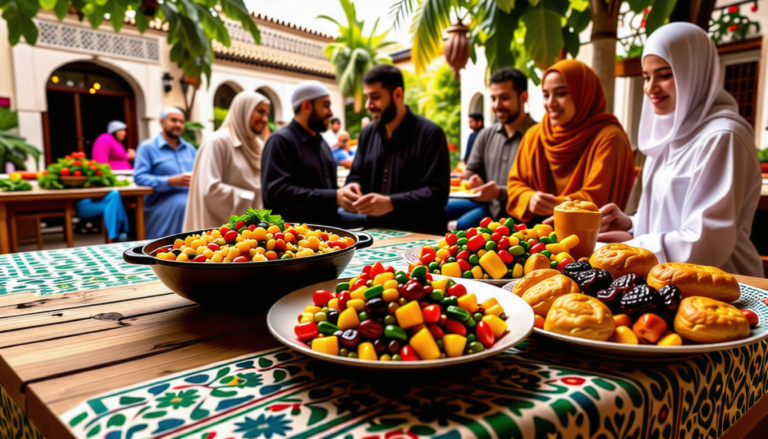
<point x="762" y="155"/>
<point x="18" y="185"/>
<point x="192" y="24"/>
<point x="527" y="34"/>
<point x="98" y="174"/>
<point x="437" y="96"/>
<point x="353" y="120"/>
<point x="219" y="114"/>
<point x="13" y="148"/>
<point x="353" y="53"/>
<point x="254" y="217"/>
<point x="732" y="23"/>
<point x="191" y="132"/>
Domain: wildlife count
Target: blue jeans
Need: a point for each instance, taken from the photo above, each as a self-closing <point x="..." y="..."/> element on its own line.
<point x="352" y="220"/>
<point x="468" y="213"/>
<point x="110" y="206"/>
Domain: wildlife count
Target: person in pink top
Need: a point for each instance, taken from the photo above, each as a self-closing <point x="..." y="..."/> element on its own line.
<point x="108" y="147"/>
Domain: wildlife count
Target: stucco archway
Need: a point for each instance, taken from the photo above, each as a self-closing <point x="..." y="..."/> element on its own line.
<point x="276" y="108"/>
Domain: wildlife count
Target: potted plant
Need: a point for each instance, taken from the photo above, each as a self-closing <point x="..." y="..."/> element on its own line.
<point x="762" y="155"/>
<point x="14" y="149"/>
<point x="75" y="170"/>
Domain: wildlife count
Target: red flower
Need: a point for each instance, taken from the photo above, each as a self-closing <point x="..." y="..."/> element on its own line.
<point x="646" y="11"/>
<point x="573" y="381"/>
<point x="452" y="147"/>
<point x="642" y="23"/>
<point x="753" y="8"/>
<point x="733" y="9"/>
<point x="732" y="28"/>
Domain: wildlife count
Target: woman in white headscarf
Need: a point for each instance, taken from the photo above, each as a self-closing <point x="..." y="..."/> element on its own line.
<point x="226" y="178"/>
<point x="701" y="182"/>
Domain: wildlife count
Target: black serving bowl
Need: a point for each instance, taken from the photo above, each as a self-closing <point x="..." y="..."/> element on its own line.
<point x="247" y="287"/>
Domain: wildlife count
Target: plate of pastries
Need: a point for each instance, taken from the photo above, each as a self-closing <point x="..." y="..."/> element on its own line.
<point x="623" y="302"/>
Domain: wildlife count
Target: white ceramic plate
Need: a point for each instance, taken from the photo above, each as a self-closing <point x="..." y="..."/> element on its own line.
<point x="464" y="195"/>
<point x="412" y="256"/>
<point x="282" y="319"/>
<point x="751" y="298"/>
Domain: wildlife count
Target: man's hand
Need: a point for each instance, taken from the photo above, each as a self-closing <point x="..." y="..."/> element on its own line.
<point x="615" y="236"/>
<point x="614" y="219"/>
<point x="183" y="180"/>
<point x="488" y="192"/>
<point x="475" y="181"/>
<point x="346" y="196"/>
<point x="543" y="204"/>
<point x="131" y="154"/>
<point x="374" y="205"/>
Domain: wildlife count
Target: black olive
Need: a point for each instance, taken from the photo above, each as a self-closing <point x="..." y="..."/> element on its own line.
<point x="572" y="269"/>
<point x="176" y="251"/>
<point x="333" y="316"/>
<point x="670" y="297"/>
<point x="350" y="338"/>
<point x="376" y="307"/>
<point x="593" y="280"/>
<point x="640" y="300"/>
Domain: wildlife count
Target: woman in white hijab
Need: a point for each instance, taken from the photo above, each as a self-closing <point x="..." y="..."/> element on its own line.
<point x="701" y="182"/>
<point x="226" y="178"/>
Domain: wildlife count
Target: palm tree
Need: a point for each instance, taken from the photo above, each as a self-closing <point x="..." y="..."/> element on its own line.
<point x="353" y="53"/>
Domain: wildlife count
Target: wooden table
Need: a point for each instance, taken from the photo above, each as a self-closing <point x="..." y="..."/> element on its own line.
<point x="56" y="351"/>
<point x="63" y="199"/>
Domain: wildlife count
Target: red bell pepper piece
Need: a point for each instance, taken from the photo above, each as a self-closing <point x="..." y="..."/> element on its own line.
<point x="465" y="254"/>
<point x="537" y="248"/>
<point x="503" y="243"/>
<point x="367" y="269"/>
<point x="453" y="250"/>
<point x="321" y="297"/>
<point x="390" y="269"/>
<point x="436" y="331"/>
<point x="476" y="243"/>
<point x="376" y="270"/>
<point x="427" y="258"/>
<point x="495" y="237"/>
<point x="457" y="290"/>
<point x="484" y="334"/>
<point x="407" y="353"/>
<point x="431" y="313"/>
<point x="455" y="327"/>
<point x="502" y="230"/>
<point x="505" y="256"/>
<point x="279" y="236"/>
<point x="520" y="227"/>
<point x="306" y="331"/>
<point x="359" y="283"/>
<point x="485" y="221"/>
<point x="451" y="239"/>
<point x="470" y="233"/>
<point x="464" y="265"/>
<point x="344" y="296"/>
<point x="563" y="263"/>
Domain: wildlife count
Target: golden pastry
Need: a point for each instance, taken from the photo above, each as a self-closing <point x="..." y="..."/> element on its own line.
<point x="621" y="259"/>
<point x="706" y="320"/>
<point x="537" y="261"/>
<point x="532" y="279"/>
<point x="696" y="280"/>
<point x="541" y="295"/>
<point x="579" y="315"/>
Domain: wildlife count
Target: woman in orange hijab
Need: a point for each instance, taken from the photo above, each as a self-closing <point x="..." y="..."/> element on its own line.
<point x="578" y="151"/>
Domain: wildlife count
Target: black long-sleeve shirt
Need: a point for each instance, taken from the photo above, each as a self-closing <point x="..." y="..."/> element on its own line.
<point x="412" y="167"/>
<point x="298" y="177"/>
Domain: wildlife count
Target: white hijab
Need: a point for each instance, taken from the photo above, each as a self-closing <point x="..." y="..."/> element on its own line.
<point x="700" y="93"/>
<point x="237" y="121"/>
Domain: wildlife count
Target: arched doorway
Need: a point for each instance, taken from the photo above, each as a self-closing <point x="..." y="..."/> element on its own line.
<point x="477" y="104"/>
<point x="222" y="99"/>
<point x="82" y="99"/>
<point x="275" y="109"/>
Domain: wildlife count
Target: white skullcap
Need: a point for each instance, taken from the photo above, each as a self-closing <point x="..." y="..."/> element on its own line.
<point x="168" y="111"/>
<point x="116" y="125"/>
<point x="308" y="91"/>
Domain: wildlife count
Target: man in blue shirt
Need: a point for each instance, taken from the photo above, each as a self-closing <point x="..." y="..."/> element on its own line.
<point x="475" y="124"/>
<point x="341" y="153"/>
<point x="165" y="163"/>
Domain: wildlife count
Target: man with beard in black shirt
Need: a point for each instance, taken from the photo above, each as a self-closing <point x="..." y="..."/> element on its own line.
<point x="400" y="177"/>
<point x="298" y="172"/>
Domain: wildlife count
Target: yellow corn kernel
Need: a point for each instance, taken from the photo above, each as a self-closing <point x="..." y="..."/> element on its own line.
<point x="259" y="234"/>
<point x="517" y="272"/>
<point x="333" y="303"/>
<point x="326" y="345"/>
<point x="390" y="295"/>
<point x="303" y="243"/>
<point x="624" y="334"/>
<point x="197" y="243"/>
<point x="301" y="230"/>
<point x="451" y="269"/>
<point x="244" y="247"/>
<point x="481" y="253"/>
<point x="207" y="238"/>
<point x="490" y="302"/>
<point x="441" y="284"/>
<point x="306" y="317"/>
<point x="357" y="304"/>
<point x="670" y="339"/>
<point x="314" y="309"/>
<point x="188" y="241"/>
<point x="217" y="258"/>
<point x="178" y="243"/>
<point x="348" y="319"/>
<point x="358" y="293"/>
<point x="380" y="279"/>
<point x="259" y="258"/>
<point x="261" y="250"/>
<point x="454" y="345"/>
<point x="233" y="253"/>
<point x="424" y="344"/>
<point x="189" y="251"/>
<point x="495" y="310"/>
<point x="208" y="253"/>
<point x="239" y="238"/>
<point x="182" y="257"/>
<point x="442" y="244"/>
<point x="313" y="242"/>
<point x="247" y="234"/>
<point x="273" y="229"/>
<point x="366" y="351"/>
<point x="477" y="272"/>
<point x="497" y="325"/>
<point x="393" y="284"/>
<point x="200" y="250"/>
<point x="215" y="234"/>
<point x="468" y="302"/>
<point x="409" y="315"/>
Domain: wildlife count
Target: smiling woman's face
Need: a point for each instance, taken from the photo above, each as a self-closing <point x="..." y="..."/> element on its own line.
<point x="558" y="100"/>
<point x="659" y="84"/>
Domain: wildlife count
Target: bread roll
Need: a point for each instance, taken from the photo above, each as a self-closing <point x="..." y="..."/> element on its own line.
<point x="621" y="259"/>
<point x="541" y="295"/>
<point x="579" y="315"/>
<point x="696" y="280"/>
<point x="706" y="320"/>
<point x="532" y="279"/>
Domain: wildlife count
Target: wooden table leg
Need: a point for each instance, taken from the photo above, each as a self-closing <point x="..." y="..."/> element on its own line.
<point x="139" y="217"/>
<point x="13" y="232"/>
<point x="5" y="238"/>
<point x="69" y="213"/>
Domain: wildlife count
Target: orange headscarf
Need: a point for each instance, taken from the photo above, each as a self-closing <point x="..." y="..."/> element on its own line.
<point x="589" y="158"/>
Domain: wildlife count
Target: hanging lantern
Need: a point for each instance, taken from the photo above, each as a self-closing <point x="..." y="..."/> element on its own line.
<point x="457" y="47"/>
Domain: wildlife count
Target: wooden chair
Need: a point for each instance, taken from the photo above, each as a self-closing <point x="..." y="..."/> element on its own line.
<point x="67" y="212"/>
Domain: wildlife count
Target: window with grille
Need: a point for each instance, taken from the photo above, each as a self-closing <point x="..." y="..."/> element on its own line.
<point x="741" y="82"/>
